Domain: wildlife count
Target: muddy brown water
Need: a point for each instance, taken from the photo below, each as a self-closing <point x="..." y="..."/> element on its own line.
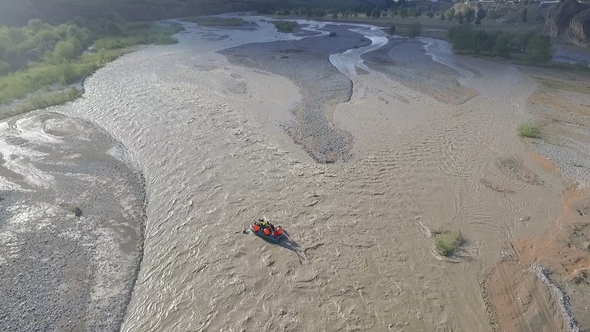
<point x="206" y="135"/>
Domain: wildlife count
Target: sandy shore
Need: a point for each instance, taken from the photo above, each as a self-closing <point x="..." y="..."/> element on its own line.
<point x="418" y="151"/>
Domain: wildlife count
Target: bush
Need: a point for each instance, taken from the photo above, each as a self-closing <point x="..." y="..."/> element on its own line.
<point x="414" y="30"/>
<point x="391" y="29"/>
<point x="285" y="26"/>
<point x="527" y="130"/>
<point x="447" y="242"/>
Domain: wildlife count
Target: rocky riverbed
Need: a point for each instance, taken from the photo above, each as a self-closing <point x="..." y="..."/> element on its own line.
<point x="71" y="225"/>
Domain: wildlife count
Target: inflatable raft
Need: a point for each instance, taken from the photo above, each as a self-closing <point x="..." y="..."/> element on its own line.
<point x="270" y="238"/>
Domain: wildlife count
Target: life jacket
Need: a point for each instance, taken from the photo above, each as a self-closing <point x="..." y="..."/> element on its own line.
<point x="263" y="223"/>
<point x="256" y="228"/>
<point x="280" y="231"/>
<point x="266" y="231"/>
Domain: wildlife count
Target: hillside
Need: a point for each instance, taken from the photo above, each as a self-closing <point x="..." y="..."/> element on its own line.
<point x="18" y="12"/>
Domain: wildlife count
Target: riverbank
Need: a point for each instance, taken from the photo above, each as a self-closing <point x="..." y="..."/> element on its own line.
<point x="47" y="66"/>
<point x="71" y="225"/>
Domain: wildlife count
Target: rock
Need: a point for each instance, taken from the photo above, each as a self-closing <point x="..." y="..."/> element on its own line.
<point x="579" y="29"/>
<point x="77" y="211"/>
<point x="527" y="218"/>
<point x="559" y="17"/>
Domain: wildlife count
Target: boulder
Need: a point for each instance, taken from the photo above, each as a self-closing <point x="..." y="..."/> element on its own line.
<point x="559" y="17"/>
<point x="579" y="33"/>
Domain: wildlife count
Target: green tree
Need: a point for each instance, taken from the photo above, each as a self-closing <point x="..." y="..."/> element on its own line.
<point x="539" y="50"/>
<point x="368" y="13"/>
<point x="469" y="15"/>
<point x="459" y="18"/>
<point x="414" y="30"/>
<point x="6" y="47"/>
<point x="483" y="41"/>
<point x="462" y="38"/>
<point x="114" y="17"/>
<point x="391" y="29"/>
<point x="35" y="25"/>
<point x="48" y="35"/>
<point x="114" y="29"/>
<point x="523" y="15"/>
<point x="502" y="45"/>
<point x="63" y="51"/>
<point x="17" y="36"/>
<point x="375" y="13"/>
<point x="442" y="17"/>
<point x="430" y="14"/>
<point x="481" y="14"/>
<point x="451" y="15"/>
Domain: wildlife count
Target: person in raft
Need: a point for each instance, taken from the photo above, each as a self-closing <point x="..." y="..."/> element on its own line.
<point x="268" y="228"/>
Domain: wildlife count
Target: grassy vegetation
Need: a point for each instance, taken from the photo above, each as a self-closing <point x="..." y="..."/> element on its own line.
<point x="215" y="21"/>
<point x="44" y="57"/>
<point x="447" y="242"/>
<point x="50" y="100"/>
<point x="285" y="26"/>
<point x="527" y="130"/>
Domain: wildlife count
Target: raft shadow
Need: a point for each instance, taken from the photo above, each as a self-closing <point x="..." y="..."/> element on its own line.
<point x="289" y="244"/>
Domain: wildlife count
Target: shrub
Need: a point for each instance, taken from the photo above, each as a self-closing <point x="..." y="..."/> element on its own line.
<point x="447" y="242"/>
<point x="391" y="29"/>
<point x="285" y="26"/>
<point x="527" y="130"/>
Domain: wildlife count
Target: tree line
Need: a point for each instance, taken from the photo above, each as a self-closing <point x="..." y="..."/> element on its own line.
<point x="38" y="41"/>
<point x="535" y="47"/>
